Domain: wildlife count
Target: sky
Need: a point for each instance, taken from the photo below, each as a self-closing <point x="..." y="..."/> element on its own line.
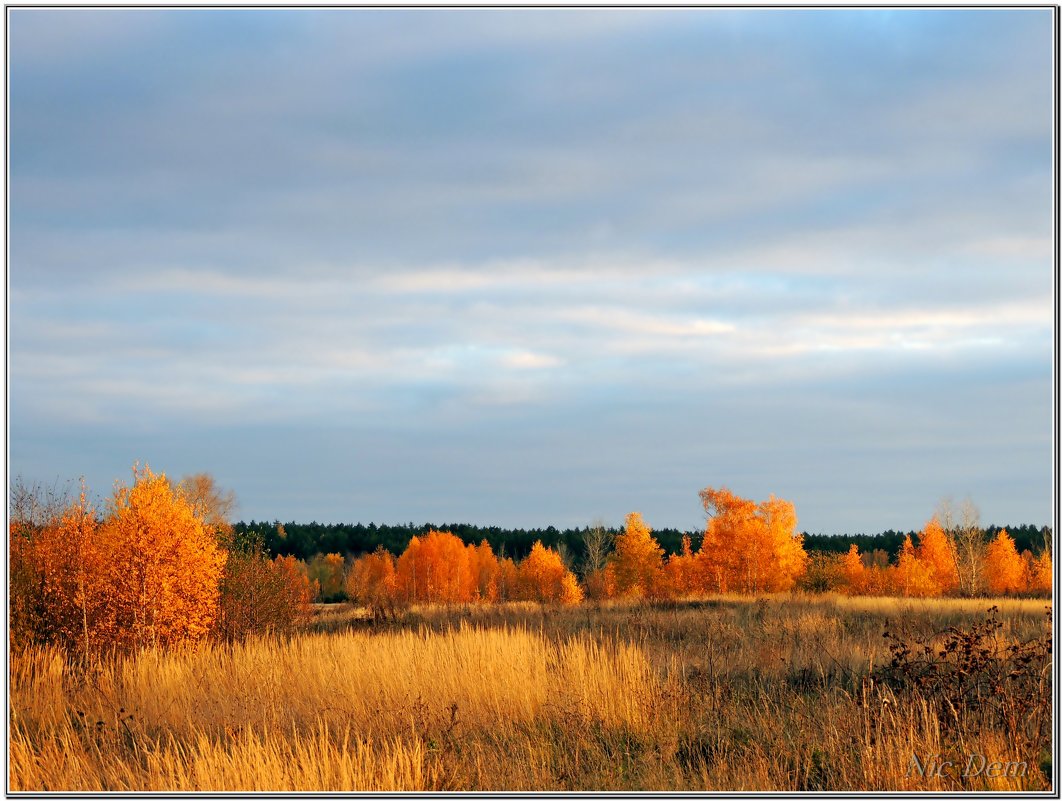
<point x="530" y="267"/>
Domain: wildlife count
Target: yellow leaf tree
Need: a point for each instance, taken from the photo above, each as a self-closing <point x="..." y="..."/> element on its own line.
<point x="783" y="559"/>
<point x="64" y="563"/>
<point x="1003" y="571"/>
<point x="749" y="547"/>
<point x="911" y="577"/>
<point x="543" y="578"/>
<point x="162" y="566"/>
<point x="681" y="570"/>
<point x="435" y="568"/>
<point x="372" y="582"/>
<point x="636" y="565"/>
<point x="938" y="556"/>
<point x="484" y="572"/>
<point x="508" y="580"/>
<point x="1040" y="573"/>
<point x="210" y="504"/>
<point x="853" y="572"/>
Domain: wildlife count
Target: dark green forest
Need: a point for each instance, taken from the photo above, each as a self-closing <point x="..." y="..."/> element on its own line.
<point x="304" y="540"/>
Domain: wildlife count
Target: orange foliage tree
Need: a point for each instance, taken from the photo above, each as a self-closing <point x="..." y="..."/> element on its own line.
<point x="210" y="504"/>
<point x="298" y="588"/>
<point x="938" y="555"/>
<point x="1041" y="573"/>
<point x="636" y="565"/>
<point x="1003" y="571"/>
<point x="508" y="580"/>
<point x="372" y="583"/>
<point x="853" y="572"/>
<point x="911" y="577"/>
<point x="544" y="578"/>
<point x="151" y="572"/>
<point x="749" y="547"/>
<point x="55" y="571"/>
<point x="484" y="572"/>
<point x="160" y="567"/>
<point x="680" y="570"/>
<point x="435" y="569"/>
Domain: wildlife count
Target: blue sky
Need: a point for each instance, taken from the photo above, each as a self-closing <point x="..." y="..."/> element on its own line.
<point x="532" y="267"/>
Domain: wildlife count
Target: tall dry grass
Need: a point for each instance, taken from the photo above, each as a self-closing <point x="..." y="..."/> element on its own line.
<point x="721" y="693"/>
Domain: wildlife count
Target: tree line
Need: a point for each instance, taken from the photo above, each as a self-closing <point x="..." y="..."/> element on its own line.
<point x="160" y="564"/>
<point x="306" y="540"/>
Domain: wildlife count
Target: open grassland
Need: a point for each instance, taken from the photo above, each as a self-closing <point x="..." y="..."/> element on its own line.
<point x="723" y="693"/>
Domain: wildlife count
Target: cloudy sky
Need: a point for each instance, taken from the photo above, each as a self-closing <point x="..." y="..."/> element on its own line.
<point x="532" y="267"/>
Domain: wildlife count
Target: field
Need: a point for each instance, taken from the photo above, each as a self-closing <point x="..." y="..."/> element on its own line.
<point x="723" y="693"/>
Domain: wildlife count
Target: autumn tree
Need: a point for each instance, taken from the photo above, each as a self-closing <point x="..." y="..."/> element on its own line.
<point x="911" y="577"/>
<point x="749" y="547"/>
<point x="24" y="586"/>
<point x="787" y="559"/>
<point x="1041" y="574"/>
<point x="823" y="573"/>
<point x="328" y="571"/>
<point x="61" y="561"/>
<point x="147" y="573"/>
<point x="853" y="572"/>
<point x="372" y="583"/>
<point x="34" y="511"/>
<point x="211" y="504"/>
<point x="680" y="570"/>
<point x="435" y="568"/>
<point x="544" y="578"/>
<point x="937" y="554"/>
<point x="724" y="560"/>
<point x="299" y="590"/>
<point x="966" y="540"/>
<point x="483" y="566"/>
<point x="636" y="564"/>
<point x="1003" y="569"/>
<point x="878" y="579"/>
<point x="508" y="580"/>
<point x="160" y="566"/>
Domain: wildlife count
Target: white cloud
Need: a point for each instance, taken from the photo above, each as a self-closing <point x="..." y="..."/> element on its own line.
<point x="527" y="360"/>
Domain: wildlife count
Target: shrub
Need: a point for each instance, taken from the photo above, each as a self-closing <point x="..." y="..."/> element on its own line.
<point x="259" y="595"/>
<point x="964" y="674"/>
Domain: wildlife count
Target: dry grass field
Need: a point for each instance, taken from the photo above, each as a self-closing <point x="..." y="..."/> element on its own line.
<point x="726" y="693"/>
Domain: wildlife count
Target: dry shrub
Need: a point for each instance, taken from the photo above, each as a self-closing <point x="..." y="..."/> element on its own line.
<point x="259" y="595"/>
<point x="969" y="676"/>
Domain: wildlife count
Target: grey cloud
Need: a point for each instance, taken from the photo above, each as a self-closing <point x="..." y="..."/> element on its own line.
<point x="532" y="244"/>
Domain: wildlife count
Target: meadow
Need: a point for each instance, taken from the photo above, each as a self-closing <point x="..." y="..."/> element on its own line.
<point x="789" y="692"/>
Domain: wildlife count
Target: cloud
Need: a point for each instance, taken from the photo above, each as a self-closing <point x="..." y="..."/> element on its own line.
<point x="527" y="360"/>
<point x="468" y="224"/>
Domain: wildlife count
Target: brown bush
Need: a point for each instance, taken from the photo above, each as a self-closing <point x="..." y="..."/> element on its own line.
<point x="261" y="595"/>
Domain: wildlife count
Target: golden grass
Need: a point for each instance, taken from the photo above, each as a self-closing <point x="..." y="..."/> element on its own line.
<point x="720" y="693"/>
